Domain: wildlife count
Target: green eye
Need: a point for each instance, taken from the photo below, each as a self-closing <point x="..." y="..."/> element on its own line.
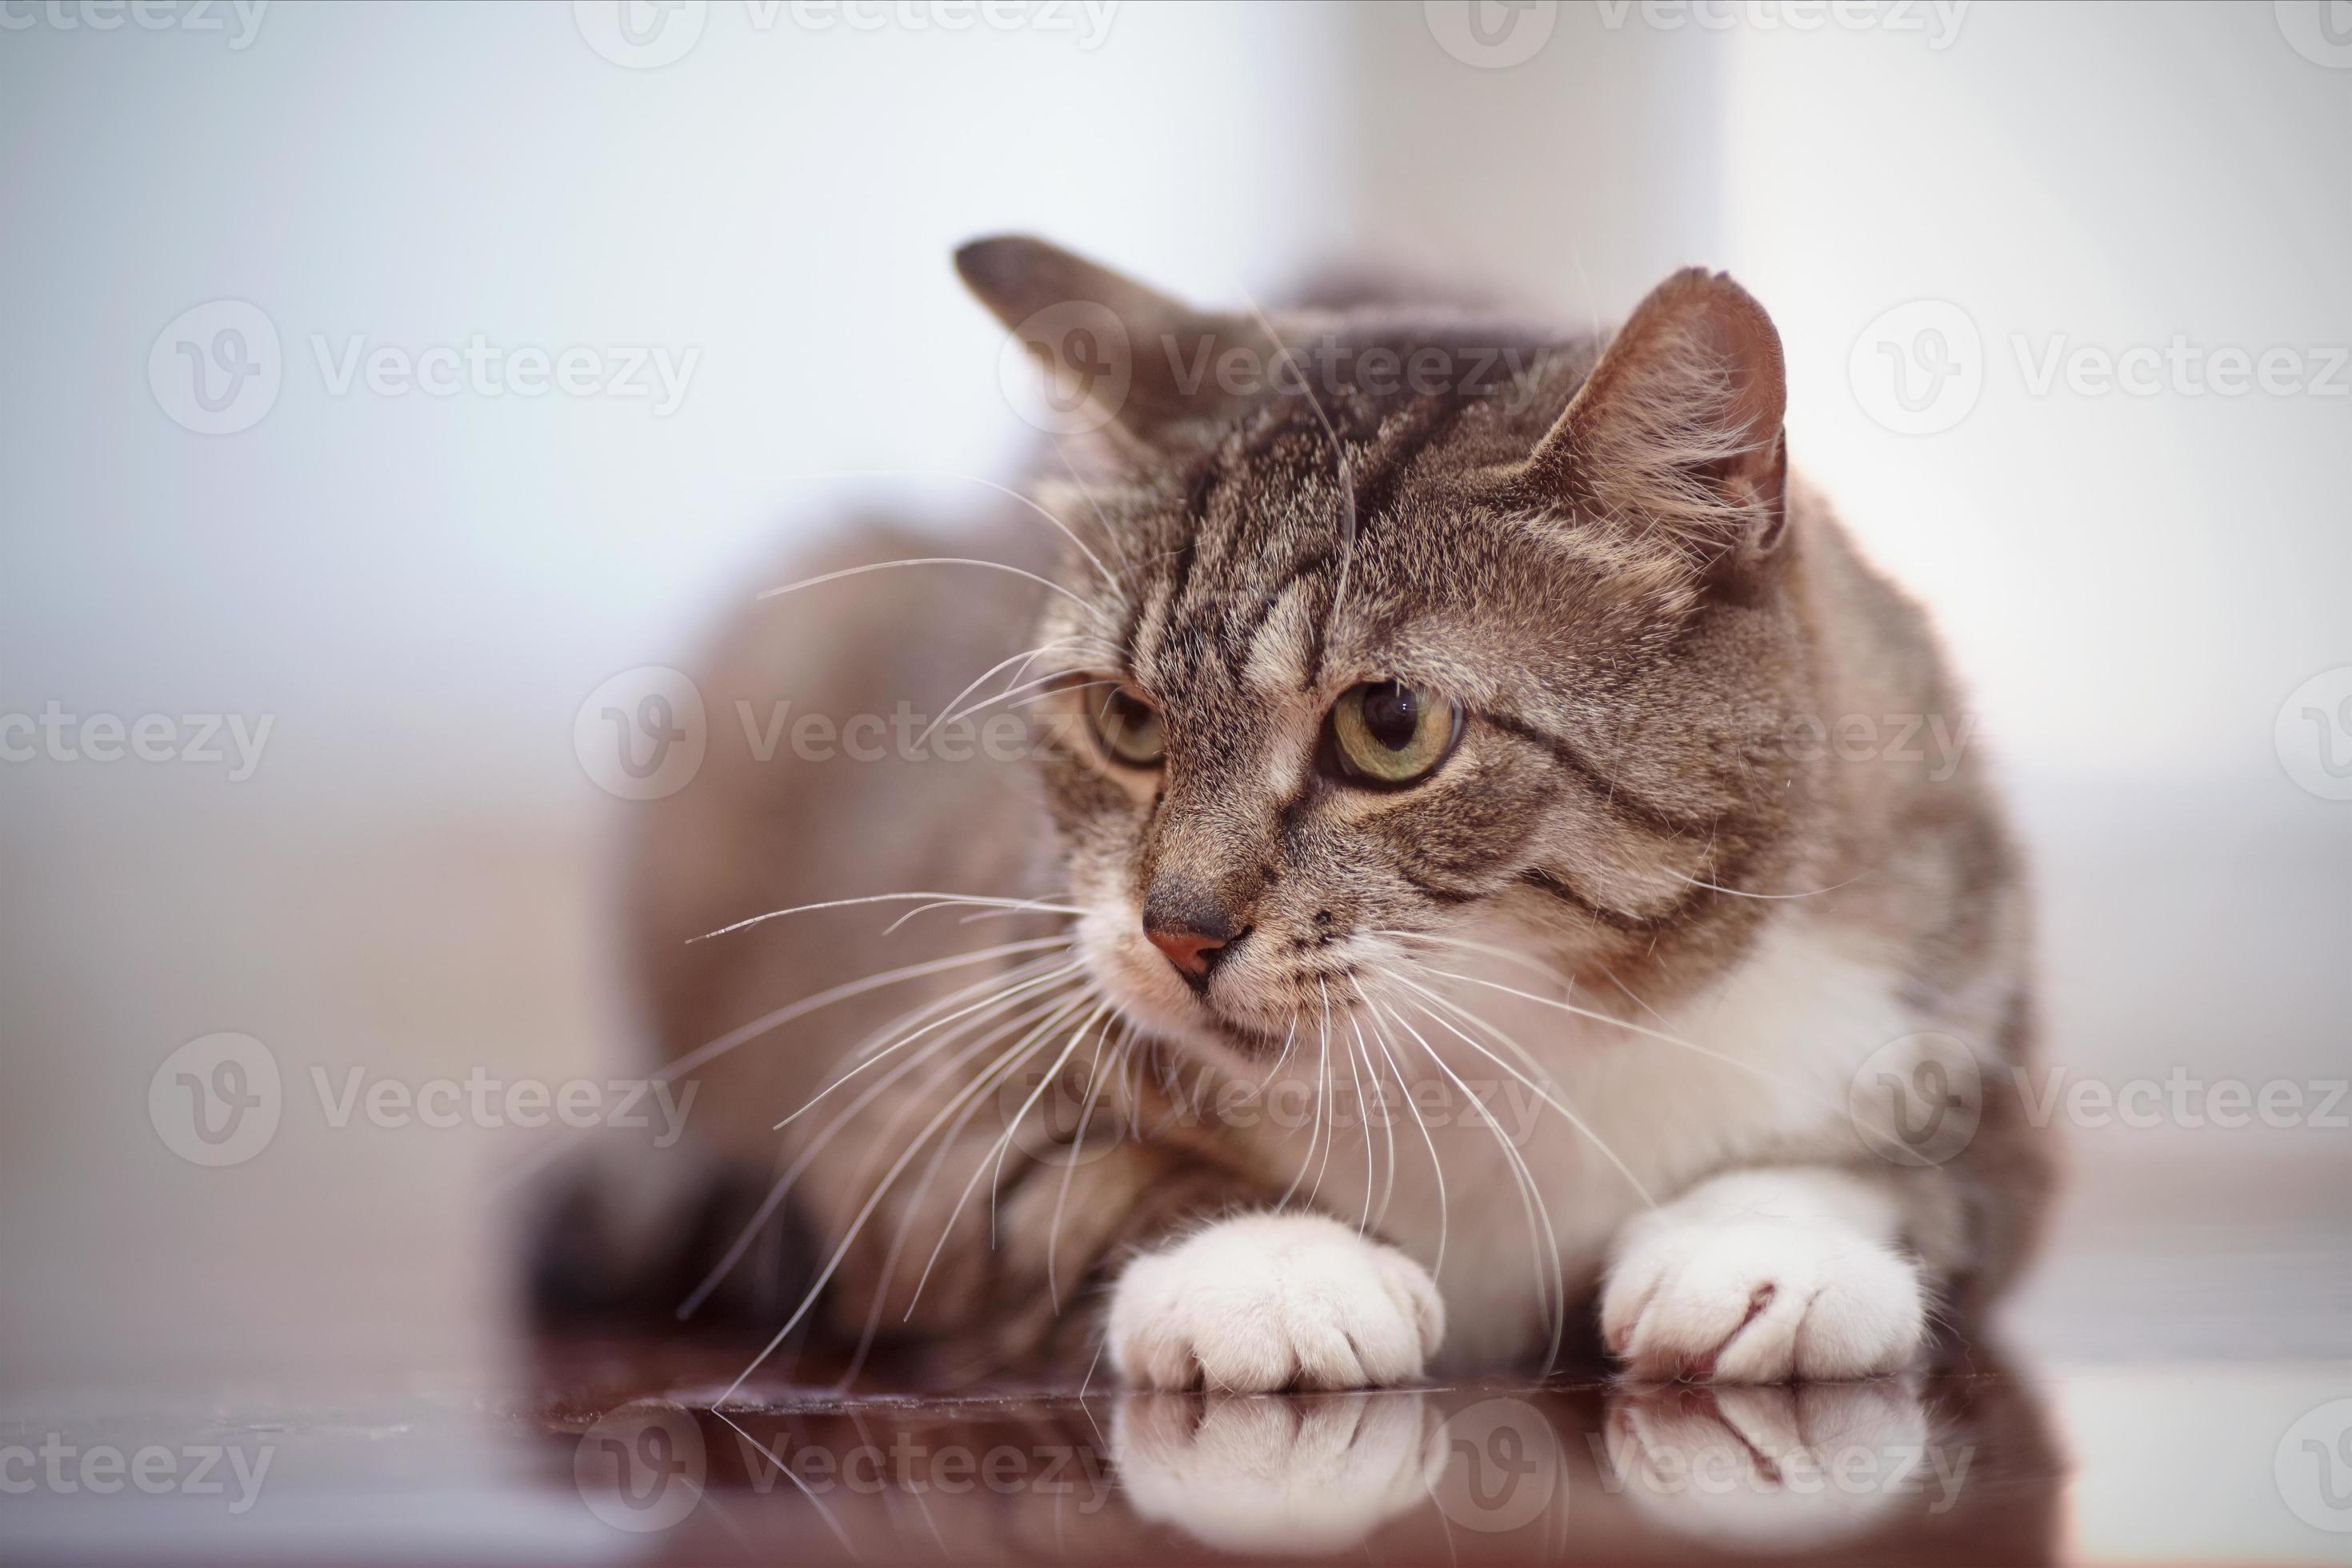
<point x="1129" y="731"/>
<point x="1386" y="733"/>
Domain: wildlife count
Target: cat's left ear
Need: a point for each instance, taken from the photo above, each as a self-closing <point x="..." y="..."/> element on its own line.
<point x="1118" y="355"/>
<point x="1679" y="428"/>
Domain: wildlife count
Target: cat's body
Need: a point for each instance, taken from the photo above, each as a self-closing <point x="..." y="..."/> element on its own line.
<point x="1653" y="969"/>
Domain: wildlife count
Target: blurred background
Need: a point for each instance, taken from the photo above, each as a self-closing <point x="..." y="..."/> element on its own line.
<point x="390" y="592"/>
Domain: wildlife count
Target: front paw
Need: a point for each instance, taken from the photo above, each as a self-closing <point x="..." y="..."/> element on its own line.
<point x="1761" y="1300"/>
<point x="1274" y="1301"/>
<point x="1776" y="1470"/>
<point x="1311" y="1475"/>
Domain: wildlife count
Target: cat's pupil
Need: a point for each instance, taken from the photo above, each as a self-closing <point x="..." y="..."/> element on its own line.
<point x="1391" y="715"/>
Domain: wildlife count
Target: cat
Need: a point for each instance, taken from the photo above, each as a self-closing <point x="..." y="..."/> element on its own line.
<point x="1428" y="908"/>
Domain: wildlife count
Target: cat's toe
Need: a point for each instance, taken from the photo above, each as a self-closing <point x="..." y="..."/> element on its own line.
<point x="1274" y="1301"/>
<point x="1762" y="1301"/>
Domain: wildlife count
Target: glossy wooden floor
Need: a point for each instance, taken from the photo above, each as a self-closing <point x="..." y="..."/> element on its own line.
<point x="2174" y="1387"/>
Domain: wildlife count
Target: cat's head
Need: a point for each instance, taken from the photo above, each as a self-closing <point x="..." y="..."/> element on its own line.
<point x="1383" y="633"/>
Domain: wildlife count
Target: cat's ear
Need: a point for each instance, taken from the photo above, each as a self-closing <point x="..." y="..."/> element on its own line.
<point x="1677" y="429"/>
<point x="1112" y="350"/>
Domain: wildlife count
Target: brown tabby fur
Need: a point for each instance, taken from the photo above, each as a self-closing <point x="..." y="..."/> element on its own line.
<point x="1601" y="555"/>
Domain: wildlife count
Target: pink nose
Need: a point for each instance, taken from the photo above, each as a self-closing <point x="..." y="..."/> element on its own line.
<point x="1188" y="950"/>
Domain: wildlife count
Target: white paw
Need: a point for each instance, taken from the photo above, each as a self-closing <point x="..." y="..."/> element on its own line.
<point x="1778" y="1470"/>
<point x="1312" y="1475"/>
<point x="1760" y="1298"/>
<point x="1274" y="1301"/>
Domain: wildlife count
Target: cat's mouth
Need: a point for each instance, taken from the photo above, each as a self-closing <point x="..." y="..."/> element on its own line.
<point x="1235" y="1012"/>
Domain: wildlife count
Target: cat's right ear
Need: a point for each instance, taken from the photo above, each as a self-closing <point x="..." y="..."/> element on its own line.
<point x="1113" y="352"/>
<point x="1677" y="429"/>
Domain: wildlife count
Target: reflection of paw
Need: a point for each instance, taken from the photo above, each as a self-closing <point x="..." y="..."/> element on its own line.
<point x="1314" y="1474"/>
<point x="1274" y="1301"/>
<point x="1779" y="1469"/>
<point x="1760" y="1298"/>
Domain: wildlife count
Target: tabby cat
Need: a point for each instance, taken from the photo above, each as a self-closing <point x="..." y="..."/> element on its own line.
<point x="1431" y="900"/>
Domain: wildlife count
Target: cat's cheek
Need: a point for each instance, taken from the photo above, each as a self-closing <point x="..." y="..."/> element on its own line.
<point x="1265" y="1302"/>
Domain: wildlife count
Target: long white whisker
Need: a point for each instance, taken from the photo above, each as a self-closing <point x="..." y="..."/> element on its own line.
<point x="1059" y="678"/>
<point x="744" y="1033"/>
<point x="1035" y="983"/>
<point x="807" y="1004"/>
<point x="1552" y="1292"/>
<point x="981" y="679"/>
<point x="823" y="578"/>
<point x="965" y="1197"/>
<point x="1387" y="1123"/>
<point x="857" y="1224"/>
<point x="1034" y="698"/>
<point x="1541" y="1093"/>
<point x="886" y="899"/>
<point x="807" y="1155"/>
<point x="995" y="1075"/>
<point x="1743" y="893"/>
<point x="1101" y="1016"/>
<point x="1117" y="536"/>
<point x="822" y="1512"/>
<point x="1363" y="1109"/>
<point x="1770" y="1077"/>
<point x="970" y="478"/>
<point x="1436" y="1169"/>
<point x="1003" y="911"/>
<point x="1070" y="1167"/>
<point x="1315" y="1128"/>
<point x="1323" y="1106"/>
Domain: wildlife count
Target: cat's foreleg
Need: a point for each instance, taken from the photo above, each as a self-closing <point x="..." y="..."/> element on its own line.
<point x="1262" y="1302"/>
<point x="1768" y="1276"/>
